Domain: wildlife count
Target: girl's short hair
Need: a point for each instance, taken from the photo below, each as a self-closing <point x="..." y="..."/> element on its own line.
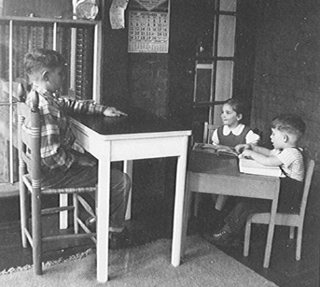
<point x="292" y="124"/>
<point x="42" y="58"/>
<point x="236" y="105"/>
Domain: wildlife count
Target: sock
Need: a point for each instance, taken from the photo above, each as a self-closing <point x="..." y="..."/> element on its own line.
<point x="116" y="229"/>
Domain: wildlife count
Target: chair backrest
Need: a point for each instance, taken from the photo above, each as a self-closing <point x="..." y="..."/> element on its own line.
<point x="310" y="164"/>
<point x="29" y="138"/>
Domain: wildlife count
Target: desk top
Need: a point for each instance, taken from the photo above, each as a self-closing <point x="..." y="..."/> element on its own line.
<point x="222" y="165"/>
<point x="136" y="122"/>
<point x="205" y="162"/>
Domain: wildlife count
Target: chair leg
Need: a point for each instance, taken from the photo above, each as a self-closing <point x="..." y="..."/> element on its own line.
<point x="36" y="234"/>
<point x="299" y="243"/>
<point x="86" y="205"/>
<point x="64" y="214"/>
<point x="75" y="213"/>
<point x="291" y="235"/>
<point x="247" y="237"/>
<point x="196" y="203"/>
<point x="220" y="202"/>
<point x="23" y="212"/>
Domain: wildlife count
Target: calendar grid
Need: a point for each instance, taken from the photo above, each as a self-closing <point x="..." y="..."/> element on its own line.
<point x="148" y="32"/>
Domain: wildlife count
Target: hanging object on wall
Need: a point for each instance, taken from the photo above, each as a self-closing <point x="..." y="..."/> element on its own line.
<point x="150" y="4"/>
<point x="117" y="13"/>
<point x="86" y="9"/>
<point x="149" y="26"/>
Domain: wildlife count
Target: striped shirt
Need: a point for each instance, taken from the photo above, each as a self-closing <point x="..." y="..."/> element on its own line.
<point x="57" y="139"/>
<point x="292" y="162"/>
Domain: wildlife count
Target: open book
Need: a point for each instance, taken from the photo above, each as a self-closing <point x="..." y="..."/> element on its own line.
<point x="252" y="167"/>
<point x="215" y="149"/>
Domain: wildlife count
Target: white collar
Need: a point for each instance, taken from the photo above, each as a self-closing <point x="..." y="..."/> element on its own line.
<point x="236" y="131"/>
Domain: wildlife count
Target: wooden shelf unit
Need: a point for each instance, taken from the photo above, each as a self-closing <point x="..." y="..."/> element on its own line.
<point x="20" y="34"/>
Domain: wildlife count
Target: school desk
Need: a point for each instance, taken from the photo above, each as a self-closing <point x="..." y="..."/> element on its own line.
<point x="133" y="137"/>
<point x="210" y="173"/>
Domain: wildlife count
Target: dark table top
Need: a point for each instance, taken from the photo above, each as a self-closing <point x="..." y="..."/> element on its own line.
<point x="137" y="121"/>
<point x="206" y="162"/>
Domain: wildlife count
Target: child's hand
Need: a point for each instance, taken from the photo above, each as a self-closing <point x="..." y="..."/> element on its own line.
<point x="241" y="147"/>
<point x="246" y="153"/>
<point x="86" y="161"/>
<point x="113" y="112"/>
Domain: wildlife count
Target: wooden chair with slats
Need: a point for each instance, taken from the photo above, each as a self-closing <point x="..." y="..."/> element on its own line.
<point x="285" y="219"/>
<point x="30" y="182"/>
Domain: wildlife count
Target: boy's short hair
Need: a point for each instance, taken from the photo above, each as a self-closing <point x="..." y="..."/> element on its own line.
<point x="42" y="58"/>
<point x="292" y="124"/>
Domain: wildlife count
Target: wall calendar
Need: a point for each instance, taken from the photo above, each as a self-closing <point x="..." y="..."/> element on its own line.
<point x="148" y="31"/>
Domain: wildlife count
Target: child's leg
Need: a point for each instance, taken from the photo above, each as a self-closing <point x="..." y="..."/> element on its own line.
<point x="220" y="202"/>
<point x="87" y="176"/>
<point x="237" y="218"/>
<point x="120" y="186"/>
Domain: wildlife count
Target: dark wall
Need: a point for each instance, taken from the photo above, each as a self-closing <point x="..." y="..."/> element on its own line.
<point x="114" y="82"/>
<point x="183" y="40"/>
<point x="287" y="71"/>
<point x="245" y="41"/>
<point x="148" y="82"/>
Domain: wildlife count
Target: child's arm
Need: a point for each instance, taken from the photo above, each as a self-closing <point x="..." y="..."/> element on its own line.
<point x="268" y="158"/>
<point x="88" y="107"/>
<point x="242" y="147"/>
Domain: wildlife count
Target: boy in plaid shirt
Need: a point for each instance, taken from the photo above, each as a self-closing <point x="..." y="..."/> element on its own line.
<point x="65" y="164"/>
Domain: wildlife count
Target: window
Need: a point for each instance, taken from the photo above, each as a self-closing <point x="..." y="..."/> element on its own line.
<point x="77" y="40"/>
<point x="214" y="63"/>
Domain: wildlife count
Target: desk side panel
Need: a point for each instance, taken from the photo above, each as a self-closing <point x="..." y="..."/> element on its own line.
<point x="242" y="185"/>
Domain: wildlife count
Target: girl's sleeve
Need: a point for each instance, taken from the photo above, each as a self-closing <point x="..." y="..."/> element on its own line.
<point x="215" y="138"/>
<point x="252" y="138"/>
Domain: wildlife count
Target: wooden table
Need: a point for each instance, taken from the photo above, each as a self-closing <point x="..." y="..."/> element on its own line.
<point x="138" y="136"/>
<point x="209" y="173"/>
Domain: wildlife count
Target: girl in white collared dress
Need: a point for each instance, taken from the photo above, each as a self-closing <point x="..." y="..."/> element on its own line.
<point x="232" y="133"/>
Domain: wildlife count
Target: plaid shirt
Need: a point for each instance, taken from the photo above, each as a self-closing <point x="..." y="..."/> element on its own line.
<point x="57" y="139"/>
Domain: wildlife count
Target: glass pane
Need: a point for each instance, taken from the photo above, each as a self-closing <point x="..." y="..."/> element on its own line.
<point x="224" y="80"/>
<point x="217" y="115"/>
<point x="4" y="144"/>
<point x="228" y="5"/>
<point x="203" y="83"/>
<point x="27" y="37"/>
<point x="227" y="28"/>
<point x="205" y="39"/>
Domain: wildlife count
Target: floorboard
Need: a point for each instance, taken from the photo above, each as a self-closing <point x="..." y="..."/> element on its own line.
<point x="155" y="221"/>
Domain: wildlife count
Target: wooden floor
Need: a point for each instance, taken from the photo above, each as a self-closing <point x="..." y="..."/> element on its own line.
<point x="155" y="220"/>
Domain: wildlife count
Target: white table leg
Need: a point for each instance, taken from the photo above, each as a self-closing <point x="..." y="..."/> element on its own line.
<point x="103" y="213"/>
<point x="179" y="205"/>
<point x="186" y="215"/>
<point x="128" y="168"/>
